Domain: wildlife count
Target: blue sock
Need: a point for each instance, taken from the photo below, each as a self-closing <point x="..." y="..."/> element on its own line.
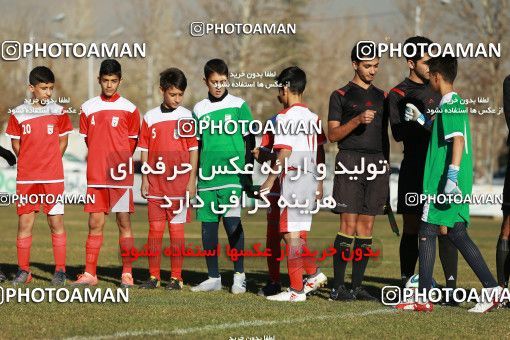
<point x="210" y="242"/>
<point x="235" y="234"/>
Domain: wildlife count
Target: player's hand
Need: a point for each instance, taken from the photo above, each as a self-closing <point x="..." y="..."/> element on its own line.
<point x="266" y="186"/>
<point x="144" y="189"/>
<point x="413" y="114"/>
<point x="451" y="187"/>
<point x="366" y="117"/>
<point x="191" y="188"/>
<point x="255" y="152"/>
<point x="320" y="190"/>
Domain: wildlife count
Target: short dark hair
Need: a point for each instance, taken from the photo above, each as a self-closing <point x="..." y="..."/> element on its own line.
<point x="215" y="66"/>
<point x="294" y="78"/>
<point x="173" y="77"/>
<point x="110" y="66"/>
<point x="41" y="74"/>
<point x="359" y="51"/>
<point x="446" y="66"/>
<point x="415" y="41"/>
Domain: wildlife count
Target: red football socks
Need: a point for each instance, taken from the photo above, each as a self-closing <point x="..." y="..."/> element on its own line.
<point x="93" y="246"/>
<point x="23" y="245"/>
<point x="59" y="251"/>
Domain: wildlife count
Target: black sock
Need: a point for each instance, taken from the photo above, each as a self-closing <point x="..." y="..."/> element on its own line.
<point x="502" y="261"/>
<point x="342" y="244"/>
<point x="471" y="254"/>
<point x="235" y="234"/>
<point x="210" y="242"/>
<point x="427" y="239"/>
<point x="408" y="255"/>
<point x="449" y="257"/>
<point x="359" y="267"/>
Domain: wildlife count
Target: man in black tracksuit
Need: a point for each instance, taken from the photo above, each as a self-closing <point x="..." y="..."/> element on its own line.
<point x="415" y="136"/>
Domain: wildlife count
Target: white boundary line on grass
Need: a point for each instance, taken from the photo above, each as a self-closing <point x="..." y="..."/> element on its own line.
<point x="243" y="323"/>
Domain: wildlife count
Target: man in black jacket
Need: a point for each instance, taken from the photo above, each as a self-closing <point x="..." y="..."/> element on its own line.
<point x="11" y="160"/>
<point x="502" y="249"/>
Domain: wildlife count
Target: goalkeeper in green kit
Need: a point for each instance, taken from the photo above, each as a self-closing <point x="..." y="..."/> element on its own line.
<point x="448" y="173"/>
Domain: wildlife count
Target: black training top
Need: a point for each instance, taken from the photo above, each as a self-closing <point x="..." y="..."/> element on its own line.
<point x="506" y="104"/>
<point x="414" y="136"/>
<point x="347" y="103"/>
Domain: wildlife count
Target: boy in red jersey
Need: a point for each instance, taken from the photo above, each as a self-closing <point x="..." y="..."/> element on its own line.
<point x="38" y="132"/>
<point x="110" y="125"/>
<point x="177" y="151"/>
<point x="263" y="154"/>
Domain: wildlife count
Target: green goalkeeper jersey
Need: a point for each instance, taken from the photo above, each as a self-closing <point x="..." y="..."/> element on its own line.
<point x="219" y="147"/>
<point x="451" y="121"/>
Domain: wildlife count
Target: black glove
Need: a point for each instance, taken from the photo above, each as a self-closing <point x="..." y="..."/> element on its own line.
<point x="8" y="156"/>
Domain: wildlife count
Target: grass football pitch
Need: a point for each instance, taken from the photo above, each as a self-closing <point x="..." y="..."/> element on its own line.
<point x="221" y="315"/>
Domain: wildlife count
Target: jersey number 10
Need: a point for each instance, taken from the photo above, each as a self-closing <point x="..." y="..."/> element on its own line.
<point x="26" y="129"/>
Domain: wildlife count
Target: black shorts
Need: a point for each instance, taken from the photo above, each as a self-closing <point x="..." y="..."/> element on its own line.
<point x="360" y="196"/>
<point x="506" y="189"/>
<point x="410" y="181"/>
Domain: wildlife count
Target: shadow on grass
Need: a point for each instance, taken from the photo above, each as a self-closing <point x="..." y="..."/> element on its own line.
<point x="255" y="279"/>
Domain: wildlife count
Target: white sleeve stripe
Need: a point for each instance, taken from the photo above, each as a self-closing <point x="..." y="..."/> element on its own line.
<point x="13" y="136"/>
<point x="133" y="136"/>
<point x="142" y="149"/>
<point x="453" y="134"/>
<point x="193" y="148"/>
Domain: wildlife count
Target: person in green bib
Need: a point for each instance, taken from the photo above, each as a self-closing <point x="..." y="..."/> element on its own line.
<point x="224" y="145"/>
<point x="448" y="179"/>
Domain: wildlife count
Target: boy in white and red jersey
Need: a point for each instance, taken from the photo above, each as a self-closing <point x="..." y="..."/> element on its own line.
<point x="38" y="132"/>
<point x="263" y="154"/>
<point x="297" y="151"/>
<point x="110" y="125"/>
<point x="163" y="140"/>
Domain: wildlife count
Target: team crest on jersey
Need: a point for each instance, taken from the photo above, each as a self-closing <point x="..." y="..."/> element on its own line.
<point x="50" y="129"/>
<point x="228" y="117"/>
<point x="115" y="121"/>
